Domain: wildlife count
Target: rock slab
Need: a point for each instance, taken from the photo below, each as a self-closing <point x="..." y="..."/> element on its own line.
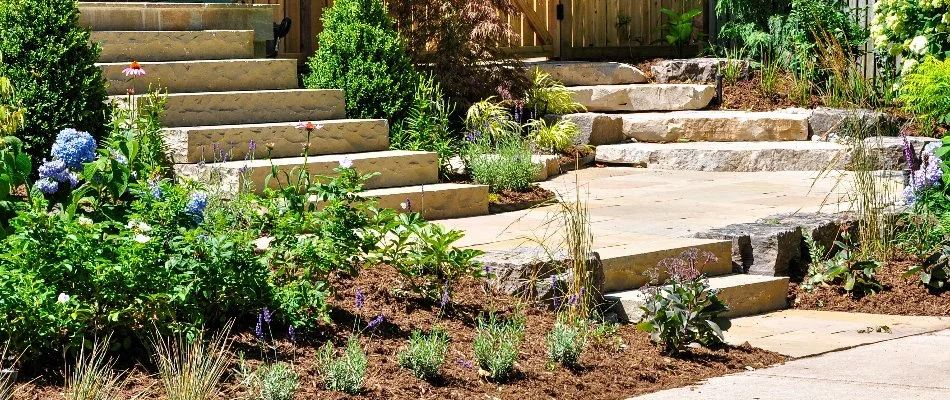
<point x="536" y="274"/>
<point x="646" y="97"/>
<point x="584" y="73"/>
<point x="695" y="69"/>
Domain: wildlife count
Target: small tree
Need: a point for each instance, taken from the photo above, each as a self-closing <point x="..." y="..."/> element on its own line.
<point x="49" y="61"/>
<point x="362" y="54"/>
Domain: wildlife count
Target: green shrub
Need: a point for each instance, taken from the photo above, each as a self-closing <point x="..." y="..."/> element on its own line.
<point x="424" y="254"/>
<point x="926" y="92"/>
<point x="271" y="382"/>
<point x="496" y="345"/>
<point x="361" y="53"/>
<point x="682" y="311"/>
<point x="934" y="271"/>
<point x="345" y="373"/>
<point x="566" y="342"/>
<point x="489" y="119"/>
<point x="502" y="164"/>
<point x="428" y="125"/>
<point x="48" y="58"/>
<point x="855" y="276"/>
<point x="425" y="354"/>
<point x="12" y="113"/>
<point x="911" y="28"/>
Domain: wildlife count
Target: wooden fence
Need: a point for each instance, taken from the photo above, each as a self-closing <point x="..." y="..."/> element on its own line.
<point x="588" y="28"/>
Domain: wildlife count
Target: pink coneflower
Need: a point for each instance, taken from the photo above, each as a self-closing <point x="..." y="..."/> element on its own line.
<point x="308" y="125"/>
<point x="134" y="70"/>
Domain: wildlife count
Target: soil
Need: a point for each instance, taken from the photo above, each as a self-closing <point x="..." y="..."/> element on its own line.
<point x="573" y="157"/>
<point x="900" y="296"/>
<point x="620" y="366"/>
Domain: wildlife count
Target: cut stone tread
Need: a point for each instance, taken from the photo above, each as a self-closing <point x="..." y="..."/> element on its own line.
<point x="744" y="294"/>
<point x="706" y="126"/>
<point x="251" y="107"/>
<point x="643" y="97"/>
<point x="204" y="76"/>
<point x="436" y="201"/>
<point x="341" y="136"/>
<point x="727" y="156"/>
<point x="395" y="167"/>
<point x="128" y="46"/>
<point x="626" y="266"/>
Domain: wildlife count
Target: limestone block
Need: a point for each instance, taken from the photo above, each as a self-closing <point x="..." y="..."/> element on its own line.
<point x="597" y="129"/>
<point x="761" y="248"/>
<point x="536" y="273"/>
<point x="396" y="168"/>
<point x="714" y="126"/>
<point x="726" y="156"/>
<point x="643" y="97"/>
<point x="251" y="107"/>
<point x="203" y="76"/>
<point x="583" y="73"/>
<point x="827" y="123"/>
<point x="436" y="201"/>
<point x="128" y="46"/>
<point x="695" y="69"/>
<point x="200" y="143"/>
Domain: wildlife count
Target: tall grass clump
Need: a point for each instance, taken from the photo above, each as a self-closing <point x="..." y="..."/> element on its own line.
<point x="191" y="369"/>
<point x="92" y="376"/>
<point x="345" y="373"/>
<point x="7" y="365"/>
<point x="425" y="354"/>
<point x="497" y="345"/>
<point x="549" y="96"/>
<point x="846" y="85"/>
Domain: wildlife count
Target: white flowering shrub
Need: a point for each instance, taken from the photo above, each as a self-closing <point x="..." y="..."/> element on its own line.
<point x="912" y="29"/>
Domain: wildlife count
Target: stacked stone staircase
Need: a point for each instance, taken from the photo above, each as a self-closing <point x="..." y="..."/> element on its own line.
<point x="665" y="126"/>
<point x="233" y="116"/>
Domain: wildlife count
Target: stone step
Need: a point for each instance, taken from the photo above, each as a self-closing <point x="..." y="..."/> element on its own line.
<point x="646" y="97"/>
<point x="204" y="76"/>
<point x="584" y="73"/>
<point x="396" y="168"/>
<point x="744" y="294"/>
<point x="727" y="156"/>
<point x="251" y="107"/>
<point x="275" y="140"/>
<point x="436" y="201"/>
<point x="128" y="46"/>
<point x="702" y="126"/>
<point x="626" y="266"/>
<point x="151" y="16"/>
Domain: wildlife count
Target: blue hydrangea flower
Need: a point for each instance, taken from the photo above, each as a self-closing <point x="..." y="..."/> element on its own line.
<point x="196" y="205"/>
<point x="47" y="186"/>
<point x="74" y="147"/>
<point x="119" y="157"/>
<point x="155" y="188"/>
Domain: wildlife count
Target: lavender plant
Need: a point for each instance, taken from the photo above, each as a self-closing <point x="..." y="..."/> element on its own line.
<point x="425" y="354"/>
<point x="345" y="373"/>
<point x="270" y="382"/>
<point x="497" y="345"/>
<point x="683" y="310"/>
<point x="566" y="342"/>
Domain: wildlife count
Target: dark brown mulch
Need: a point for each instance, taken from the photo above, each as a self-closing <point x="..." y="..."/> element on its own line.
<point x="900" y="296"/>
<point x="573" y="157"/>
<point x="534" y="194"/>
<point x="747" y="95"/>
<point x="608" y="371"/>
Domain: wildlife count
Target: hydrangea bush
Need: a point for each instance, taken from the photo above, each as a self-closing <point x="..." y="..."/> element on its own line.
<point x="912" y="29"/>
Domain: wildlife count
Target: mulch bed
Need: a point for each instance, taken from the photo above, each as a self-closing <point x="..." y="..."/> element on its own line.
<point x="510" y="200"/>
<point x="900" y="296"/>
<point x="609" y="370"/>
<point x="576" y="157"/>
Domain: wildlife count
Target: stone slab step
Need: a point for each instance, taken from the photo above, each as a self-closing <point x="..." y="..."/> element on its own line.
<point x="395" y="167"/>
<point x="727" y="156"/>
<point x="702" y="126"/>
<point x="275" y="140"/>
<point x="204" y="76"/>
<point x="744" y="294"/>
<point x="626" y="266"/>
<point x="646" y="97"/>
<point x="436" y="201"/>
<point x="251" y="107"/>
<point x="584" y="73"/>
<point x="128" y="46"/>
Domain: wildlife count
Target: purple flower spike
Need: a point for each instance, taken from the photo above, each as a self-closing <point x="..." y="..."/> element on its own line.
<point x="445" y="295"/>
<point x="266" y="315"/>
<point x="464" y="363"/>
<point x="376" y="321"/>
<point x="292" y="333"/>
<point x="259" y="329"/>
<point x="360" y="298"/>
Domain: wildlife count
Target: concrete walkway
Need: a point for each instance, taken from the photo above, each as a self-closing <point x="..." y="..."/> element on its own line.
<point x="635" y="205"/>
<point x="913" y="367"/>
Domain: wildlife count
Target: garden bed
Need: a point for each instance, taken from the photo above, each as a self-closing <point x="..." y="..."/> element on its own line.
<point x="614" y="367"/>
<point x="510" y="200"/>
<point x="900" y="296"/>
<point x="576" y="157"/>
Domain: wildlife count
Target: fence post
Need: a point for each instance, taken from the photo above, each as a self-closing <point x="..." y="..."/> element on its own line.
<point x="565" y="42"/>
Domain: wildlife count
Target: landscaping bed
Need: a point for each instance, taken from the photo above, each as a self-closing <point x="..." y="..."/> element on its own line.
<point x="901" y="296"/>
<point x="613" y="367"/>
<point x="511" y="200"/>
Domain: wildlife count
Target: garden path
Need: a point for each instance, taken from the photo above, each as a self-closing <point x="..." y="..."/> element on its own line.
<point x="912" y="367"/>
